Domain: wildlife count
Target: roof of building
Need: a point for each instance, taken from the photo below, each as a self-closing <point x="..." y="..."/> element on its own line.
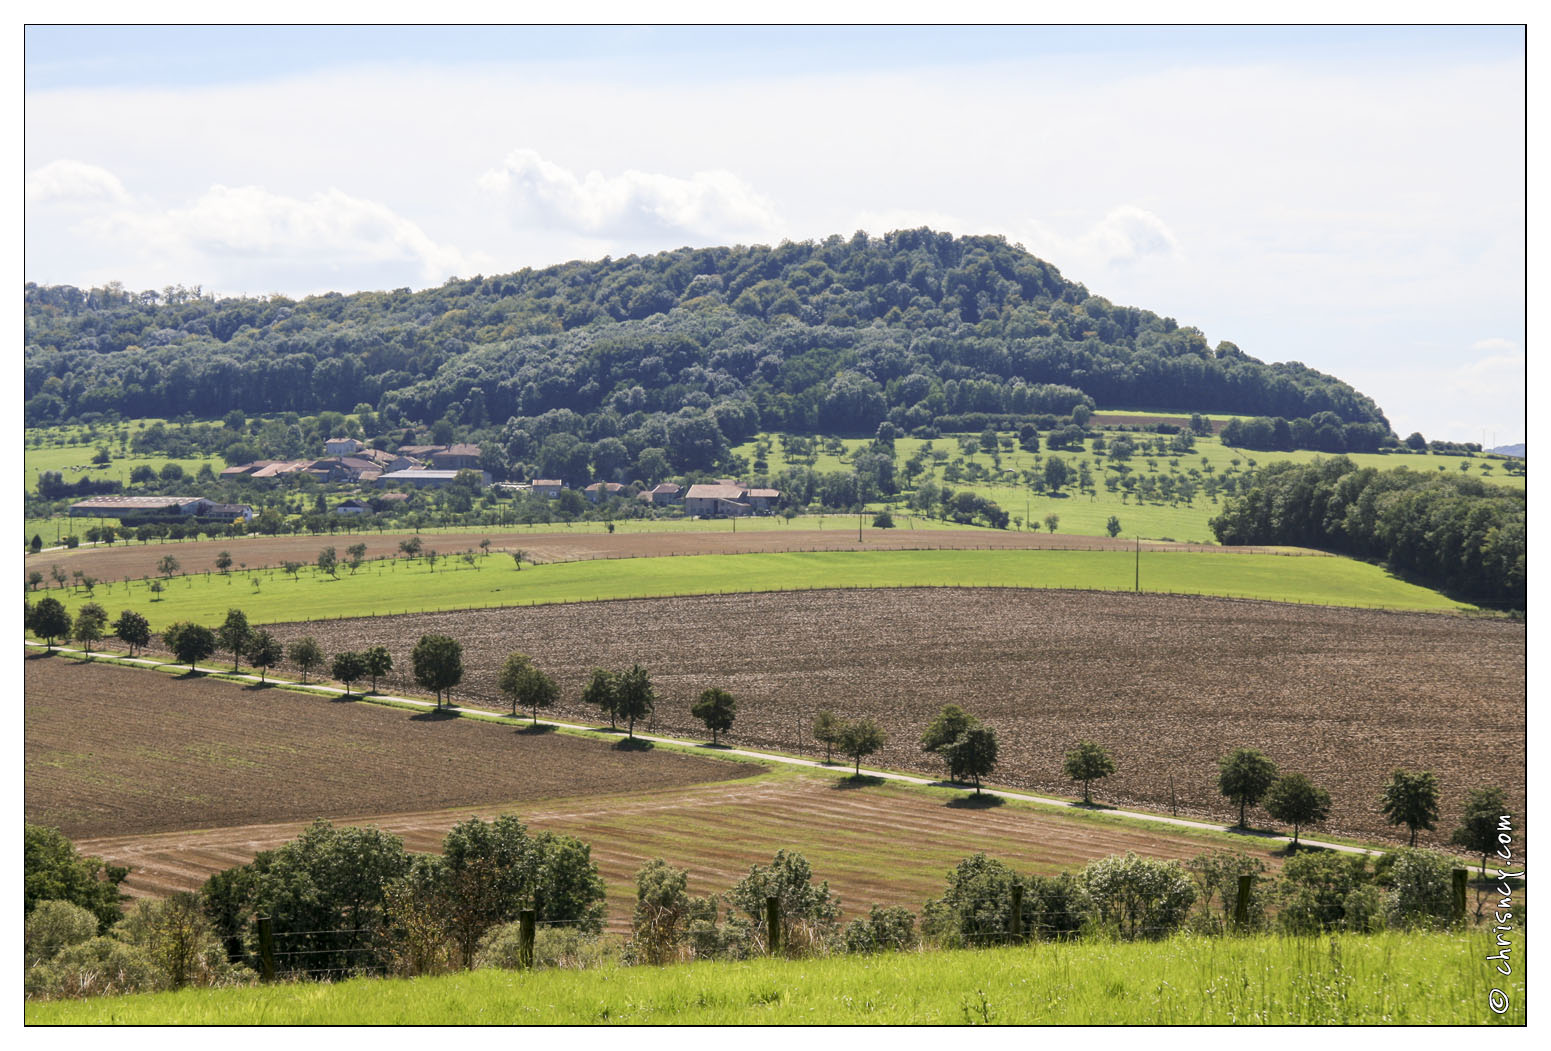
<point x="346" y="438"/>
<point x="715" y="492"/>
<point x="419" y="474"/>
<point x="768" y="494"/>
<point x="420" y="450"/>
<point x="394" y="496"/>
<point x="228" y="509"/>
<point x="666" y="487"/>
<point x="549" y="481"/>
<point x="460" y="449"/>
<point x="136" y="503"/>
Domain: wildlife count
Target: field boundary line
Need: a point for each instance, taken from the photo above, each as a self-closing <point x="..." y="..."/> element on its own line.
<point x="389" y="700"/>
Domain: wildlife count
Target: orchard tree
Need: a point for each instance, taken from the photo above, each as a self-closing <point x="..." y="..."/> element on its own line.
<point x="1088" y="762"/>
<point x="1051" y="521"/>
<point x="525" y="686"/>
<point x="49" y="621"/>
<point x="602" y="692"/>
<point x="410" y="547"/>
<point x="189" y="642"/>
<point x="438" y="663"/>
<point x="974" y="753"/>
<point x="716" y="708"/>
<point x="91" y="624"/>
<point x="348" y="667"/>
<point x="223" y="561"/>
<point x="233" y="635"/>
<point x="357" y="554"/>
<point x="1485" y="808"/>
<point x="1244" y="777"/>
<point x="305" y="653"/>
<point x="34" y="579"/>
<point x="860" y="738"/>
<point x="328" y="562"/>
<point x="1411" y="799"/>
<point x="379" y="662"/>
<point x="1113" y="525"/>
<point x="133" y="630"/>
<point x="167" y="566"/>
<point x="1295" y="800"/>
<point x="264" y="652"/>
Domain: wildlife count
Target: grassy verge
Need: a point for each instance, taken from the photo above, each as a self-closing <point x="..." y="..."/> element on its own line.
<point x="1391" y="978"/>
<point x="399" y="586"/>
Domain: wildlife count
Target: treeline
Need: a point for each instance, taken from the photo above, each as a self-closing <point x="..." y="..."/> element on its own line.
<point x="915" y="327"/>
<point x="1458" y="534"/>
<point x="1323" y="432"/>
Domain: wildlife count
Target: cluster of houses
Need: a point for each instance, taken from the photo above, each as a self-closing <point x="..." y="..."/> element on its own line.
<point x="349" y="460"/>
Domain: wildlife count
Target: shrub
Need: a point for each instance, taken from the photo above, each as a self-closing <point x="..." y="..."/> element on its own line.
<point x="883" y="929"/>
<point x="1314" y="890"/>
<point x="56" y="925"/>
<point x="1138" y="897"/>
<point x="809" y="914"/>
<point x="552" y="947"/>
<point x="98" y="967"/>
<point x="976" y="909"/>
<point x="1422" y="895"/>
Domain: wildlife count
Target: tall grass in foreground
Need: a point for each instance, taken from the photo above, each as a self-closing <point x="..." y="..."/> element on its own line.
<point x="1393" y="977"/>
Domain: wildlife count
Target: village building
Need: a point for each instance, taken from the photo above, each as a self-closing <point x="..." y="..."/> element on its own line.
<point x="456" y="458"/>
<point x="343" y="446"/>
<point x="160" y="508"/>
<point x="662" y="495"/>
<point x="598" y="491"/>
<point x="547" y="487"/>
<point x="427" y="478"/>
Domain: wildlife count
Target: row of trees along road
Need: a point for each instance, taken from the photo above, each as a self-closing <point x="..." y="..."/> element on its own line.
<point x="966" y="748"/>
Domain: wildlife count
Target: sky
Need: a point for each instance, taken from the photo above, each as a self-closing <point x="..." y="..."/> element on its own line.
<point x="1353" y="199"/>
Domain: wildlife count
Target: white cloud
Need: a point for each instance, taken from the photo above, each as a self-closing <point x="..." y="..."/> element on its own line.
<point x="1125" y="235"/>
<point x="73" y="183"/>
<point x="633" y="204"/>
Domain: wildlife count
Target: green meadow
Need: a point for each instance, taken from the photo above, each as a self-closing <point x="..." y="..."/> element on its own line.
<point x="1392" y="978"/>
<point x="403" y="586"/>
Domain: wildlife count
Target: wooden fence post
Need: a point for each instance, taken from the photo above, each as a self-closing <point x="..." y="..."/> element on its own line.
<point x="1241" y="905"/>
<point x="266" y="949"/>
<point x="1015" y="927"/>
<point x="526" y="923"/>
<point x="1461" y="878"/>
<point x="773" y="925"/>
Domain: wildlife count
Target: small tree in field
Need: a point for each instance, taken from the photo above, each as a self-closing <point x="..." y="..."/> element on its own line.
<point x="223" y="561"/>
<point x="49" y="621"/>
<point x="91" y="624"/>
<point x="525" y="686"/>
<point x="347" y="668"/>
<point x="233" y="634"/>
<point x="973" y="753"/>
<point x="517" y="557"/>
<point x="264" y="652"/>
<point x="716" y="708"/>
<point x="951" y="724"/>
<point x="1088" y="762"/>
<point x="1113" y="525"/>
<point x="305" y="653"/>
<point x="34" y="580"/>
<point x="636" y="696"/>
<point x="1244" y="776"/>
<point x="190" y="643"/>
<point x="410" y="547"/>
<point x="826" y="731"/>
<point x="1412" y="800"/>
<point x="861" y="738"/>
<point x="379" y="662"/>
<point x="1297" y="801"/>
<point x="438" y="663"/>
<point x="328" y="562"/>
<point x="167" y="566"/>
<point x="1052" y="520"/>
<point x="133" y="630"/>
<point x="1477" y="833"/>
<point x="292" y="567"/>
<point x="602" y="692"/>
<point x="357" y="553"/>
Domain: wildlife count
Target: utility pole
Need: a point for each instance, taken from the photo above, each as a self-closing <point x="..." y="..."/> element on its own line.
<point x="859" y="526"/>
<point x="1137" y="587"/>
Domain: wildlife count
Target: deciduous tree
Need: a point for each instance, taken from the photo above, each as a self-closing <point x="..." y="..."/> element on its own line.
<point x="861" y="738"/>
<point x="379" y="662"/>
<point x="1088" y="762"/>
<point x="1297" y="801"/>
<point x="49" y="621"/>
<point x="1485" y="808"/>
<point x="636" y="696"/>
<point x="1411" y="799"/>
<point x="438" y="664"/>
<point x="133" y="630"/>
<point x="716" y="708"/>
<point x="1244" y="777"/>
<point x="602" y="692"/>
<point x="973" y="753"/>
<point x="91" y="624"/>
<point x="348" y="667"/>
<point x="189" y="642"/>
<point x="826" y="731"/>
<point x="305" y="653"/>
<point x="264" y="652"/>
<point x="234" y="635"/>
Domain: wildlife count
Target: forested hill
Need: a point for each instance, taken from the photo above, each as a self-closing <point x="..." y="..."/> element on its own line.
<point x="916" y="327"/>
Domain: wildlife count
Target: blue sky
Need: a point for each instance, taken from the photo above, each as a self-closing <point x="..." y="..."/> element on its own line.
<point x="1349" y="198"/>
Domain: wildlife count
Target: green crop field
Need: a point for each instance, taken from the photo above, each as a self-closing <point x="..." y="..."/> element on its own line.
<point x="402" y="586"/>
<point x="1392" y="978"/>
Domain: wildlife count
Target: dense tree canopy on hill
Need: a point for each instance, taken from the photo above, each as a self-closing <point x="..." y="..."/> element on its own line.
<point x="695" y="346"/>
<point x="1456" y="533"/>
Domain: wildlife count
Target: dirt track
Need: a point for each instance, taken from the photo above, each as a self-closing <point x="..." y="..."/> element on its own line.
<point x="140" y="560"/>
<point x="1167" y="684"/>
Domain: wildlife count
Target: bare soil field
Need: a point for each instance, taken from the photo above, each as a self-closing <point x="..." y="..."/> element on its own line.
<point x="123" y="750"/>
<point x="1167" y="684"/>
<point x="877" y="844"/>
<point x="134" y="561"/>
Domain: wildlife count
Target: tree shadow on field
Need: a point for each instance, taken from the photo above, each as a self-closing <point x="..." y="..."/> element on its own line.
<point x="853" y="781"/>
<point x="721" y="746"/>
<point x="633" y="744"/>
<point x="1302" y="848"/>
<point x="1080" y="805"/>
<point x="186" y="674"/>
<point x="435" y="715"/>
<point x="34" y="655"/>
<point x="974" y="802"/>
<point x="258" y="686"/>
<point x="535" y="729"/>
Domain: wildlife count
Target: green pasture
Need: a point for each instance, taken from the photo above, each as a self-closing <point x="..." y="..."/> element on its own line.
<point x="1392" y="978"/>
<point x="408" y="586"/>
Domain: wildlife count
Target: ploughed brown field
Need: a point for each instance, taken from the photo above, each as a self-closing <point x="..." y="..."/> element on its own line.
<point x="1167" y="684"/>
<point x="120" y="750"/>
<point x="136" y="560"/>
